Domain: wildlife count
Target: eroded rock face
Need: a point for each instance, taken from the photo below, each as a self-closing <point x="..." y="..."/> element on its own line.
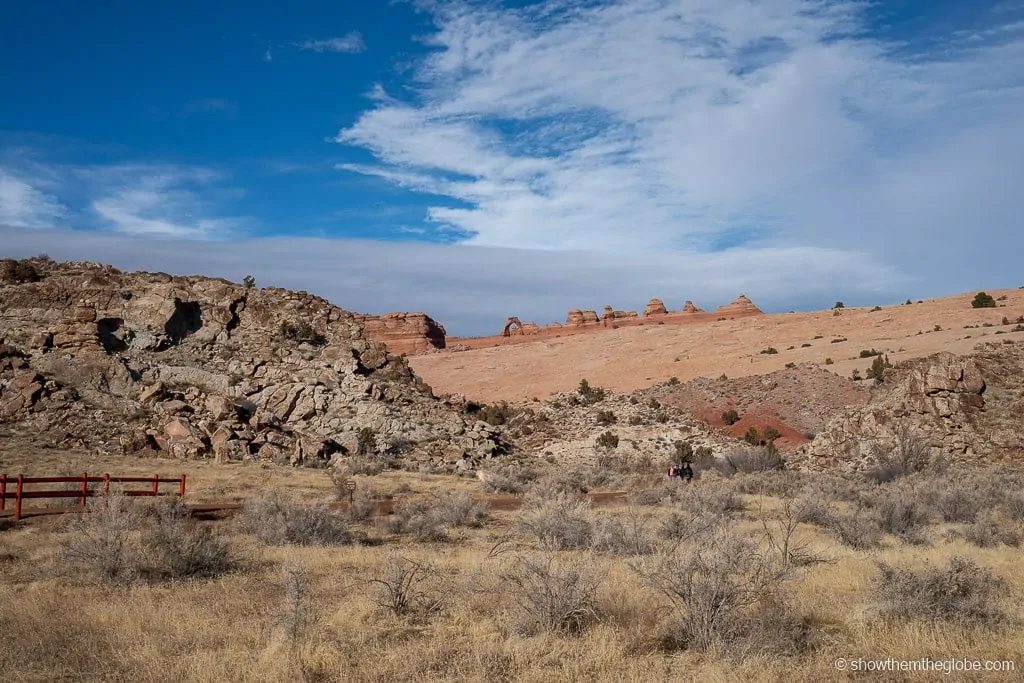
<point x="655" y="307"/>
<point x="965" y="407"/>
<point x="739" y="306"/>
<point x="612" y="315"/>
<point x="690" y="308"/>
<point x="580" y="317"/>
<point x="404" y="332"/>
<point x="200" y="367"/>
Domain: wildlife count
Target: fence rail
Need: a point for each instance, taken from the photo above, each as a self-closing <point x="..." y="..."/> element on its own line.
<point x="83" y="490"/>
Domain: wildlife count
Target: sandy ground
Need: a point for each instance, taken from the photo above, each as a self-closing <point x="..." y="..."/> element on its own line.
<point x="637" y="357"/>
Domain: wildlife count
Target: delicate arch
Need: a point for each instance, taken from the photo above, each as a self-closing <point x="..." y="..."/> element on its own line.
<point x="510" y="324"/>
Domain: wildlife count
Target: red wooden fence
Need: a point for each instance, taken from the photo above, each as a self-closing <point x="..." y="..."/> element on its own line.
<point x="84" y="491"/>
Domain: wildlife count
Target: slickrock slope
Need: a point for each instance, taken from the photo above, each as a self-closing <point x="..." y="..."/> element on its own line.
<point x="634" y="357"/>
<point x="967" y="408"/>
<point x="194" y="366"/>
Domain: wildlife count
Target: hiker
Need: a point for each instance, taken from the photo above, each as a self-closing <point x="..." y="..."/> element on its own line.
<point x="687" y="473"/>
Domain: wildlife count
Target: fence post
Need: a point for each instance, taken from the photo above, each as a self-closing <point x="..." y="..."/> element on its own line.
<point x="17" y="498"/>
<point x="85" y="489"/>
<point x="3" y="491"/>
<point x="106" y="489"/>
<point x="181" y="487"/>
<point x="156" y="484"/>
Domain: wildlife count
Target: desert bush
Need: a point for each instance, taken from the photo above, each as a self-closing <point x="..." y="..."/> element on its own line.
<point x="559" y="522"/>
<point x="248" y="282"/>
<point x="730" y="417"/>
<point x="608" y="441"/>
<point x="908" y="454"/>
<point x="179" y="548"/>
<point x="988" y="531"/>
<point x="274" y="519"/>
<point x="302" y="332"/>
<point x="505" y="479"/>
<point x="589" y="395"/>
<point x="409" y="587"/>
<point x="103" y="543"/>
<point x="983" y="300"/>
<point x="363" y="506"/>
<point x="1013" y="505"/>
<point x="779" y="529"/>
<point x="419" y="518"/>
<point x="688" y="524"/>
<point x="366" y="440"/>
<point x="746" y="460"/>
<point x="714" y="587"/>
<point x="878" y="368"/>
<point x="18" y="272"/>
<point x="550" y="596"/>
<point x="621" y="535"/>
<point x="957" y="500"/>
<point x="777" y="483"/>
<point x="771" y="351"/>
<point x="869" y="353"/>
<point x="713" y="496"/>
<point x="858" y="529"/>
<point x="829" y="361"/>
<point x="962" y="593"/>
<point x="673" y="381"/>
<point x="458" y="509"/>
<point x="901" y="514"/>
<point x="605" y="418"/>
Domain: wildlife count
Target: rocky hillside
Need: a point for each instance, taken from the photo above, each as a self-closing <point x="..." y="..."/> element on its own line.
<point x="196" y="367"/>
<point x="967" y="408"/>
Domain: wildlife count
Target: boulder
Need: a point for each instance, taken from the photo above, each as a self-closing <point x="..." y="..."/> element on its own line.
<point x="654" y="307"/>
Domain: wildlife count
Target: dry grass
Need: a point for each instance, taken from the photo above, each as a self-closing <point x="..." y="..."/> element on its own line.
<point x="400" y="609"/>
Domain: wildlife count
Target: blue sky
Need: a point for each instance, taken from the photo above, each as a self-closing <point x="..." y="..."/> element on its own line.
<point x="483" y="159"/>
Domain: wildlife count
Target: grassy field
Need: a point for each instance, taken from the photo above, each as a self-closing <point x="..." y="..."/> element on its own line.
<point x="764" y="576"/>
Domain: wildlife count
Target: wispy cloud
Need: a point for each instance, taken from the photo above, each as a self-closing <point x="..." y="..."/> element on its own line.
<point x="161" y="201"/>
<point x="351" y="42"/>
<point x="647" y="125"/>
<point x="25" y="206"/>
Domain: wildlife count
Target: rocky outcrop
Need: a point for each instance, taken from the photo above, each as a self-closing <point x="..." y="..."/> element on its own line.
<point x="579" y="317"/>
<point x="741" y="305"/>
<point x="966" y="408"/>
<point x="690" y="308"/>
<point x="611" y="316"/>
<point x="403" y="332"/>
<point x="199" y="367"/>
<point x="654" y="307"/>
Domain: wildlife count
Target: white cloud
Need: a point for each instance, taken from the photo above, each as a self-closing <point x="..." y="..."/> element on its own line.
<point x="646" y="125"/>
<point x="351" y="42"/>
<point x="159" y="201"/>
<point x="23" y="204"/>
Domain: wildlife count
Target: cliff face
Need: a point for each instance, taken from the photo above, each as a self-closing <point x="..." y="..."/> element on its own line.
<point x="403" y="332"/>
<point x="964" y="407"/>
<point x="195" y="366"/>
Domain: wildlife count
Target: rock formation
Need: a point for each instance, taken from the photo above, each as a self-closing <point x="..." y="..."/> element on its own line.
<point x="403" y="332"/>
<point x="611" y="316"/>
<point x="654" y="307"/>
<point x="690" y="308"/>
<point x="199" y="367"/>
<point x="580" y="317"/>
<point x="740" y="306"/>
<point x="964" y="407"/>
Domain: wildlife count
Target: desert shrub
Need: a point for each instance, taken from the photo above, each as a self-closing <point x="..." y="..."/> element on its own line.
<point x="771" y="350"/>
<point x="715" y="588"/>
<point x="103" y="543"/>
<point x="608" y="441"/>
<point x="876" y="309"/>
<point x="274" y="519"/>
<point x="746" y="460"/>
<point x="497" y="414"/>
<point x="814" y="507"/>
<point x="363" y="506"/>
<point x="962" y="593"/>
<point x="605" y="418"/>
<point x="179" y="548"/>
<point x="829" y="361"/>
<point x="621" y="535"/>
<point x="957" y="500"/>
<point x="589" y="395"/>
<point x="751" y="436"/>
<point x="730" y="417"/>
<point x="1013" y="505"/>
<point x="550" y="596"/>
<point x="409" y="587"/>
<point x="505" y="479"/>
<point x="559" y="522"/>
<point x="855" y="376"/>
<point x="790" y="366"/>
<point x="878" y="368"/>
<point x="900" y="513"/>
<point x="302" y="332"/>
<point x="457" y="509"/>
<point x="688" y="524"/>
<point x="777" y="483"/>
<point x="418" y="518"/>
<point x="988" y="532"/>
<point x="18" y="272"/>
<point x="683" y="451"/>
<point x="908" y="454"/>
<point x="366" y="441"/>
<point x="983" y="300"/>
<point x="713" y="496"/>
<point x="248" y="282"/>
<point x="635" y="420"/>
<point x="858" y="529"/>
<point x="869" y="353"/>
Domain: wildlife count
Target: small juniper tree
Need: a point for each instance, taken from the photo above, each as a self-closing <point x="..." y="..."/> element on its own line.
<point x="983" y="300"/>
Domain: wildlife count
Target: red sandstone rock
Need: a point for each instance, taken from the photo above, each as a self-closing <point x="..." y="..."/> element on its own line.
<point x="741" y="305"/>
<point x="690" y="308"/>
<point x="403" y="332"/>
<point x="580" y="317"/>
<point x="655" y="307"/>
